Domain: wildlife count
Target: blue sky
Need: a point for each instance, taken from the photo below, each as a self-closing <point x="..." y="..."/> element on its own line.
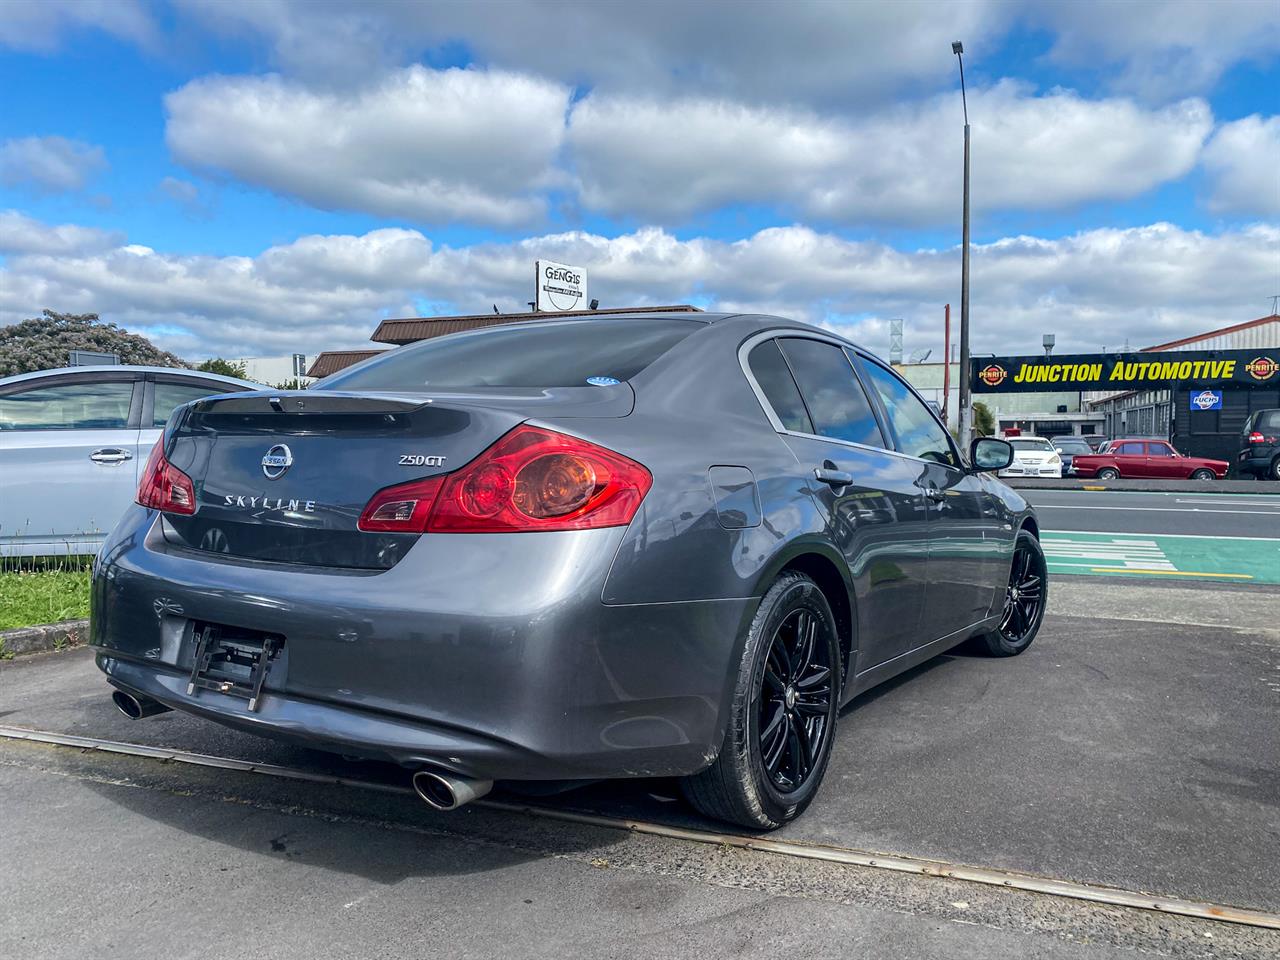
<point x="263" y="177"/>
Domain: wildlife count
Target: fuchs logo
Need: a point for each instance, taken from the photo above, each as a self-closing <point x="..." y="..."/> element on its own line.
<point x="1262" y="368"/>
<point x="993" y="374"/>
<point x="1207" y="399"/>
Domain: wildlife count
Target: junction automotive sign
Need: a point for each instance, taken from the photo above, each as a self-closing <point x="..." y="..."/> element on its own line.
<point x="1124" y="371"/>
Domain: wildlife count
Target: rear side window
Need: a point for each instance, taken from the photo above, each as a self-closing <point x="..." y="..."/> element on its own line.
<point x="170" y="395"/>
<point x="548" y="354"/>
<point x="771" y="372"/>
<point x="837" y="404"/>
<point x="919" y="433"/>
<point x="68" y="406"/>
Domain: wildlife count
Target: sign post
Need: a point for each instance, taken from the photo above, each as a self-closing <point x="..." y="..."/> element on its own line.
<point x="559" y="287"/>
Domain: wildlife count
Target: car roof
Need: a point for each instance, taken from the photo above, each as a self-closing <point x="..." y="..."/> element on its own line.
<point x="103" y="368"/>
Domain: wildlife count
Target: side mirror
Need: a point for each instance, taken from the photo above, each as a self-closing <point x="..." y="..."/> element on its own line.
<point x="988" y="453"/>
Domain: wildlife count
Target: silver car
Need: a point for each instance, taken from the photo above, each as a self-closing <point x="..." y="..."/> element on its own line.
<point x="72" y="441"/>
<point x="650" y="545"/>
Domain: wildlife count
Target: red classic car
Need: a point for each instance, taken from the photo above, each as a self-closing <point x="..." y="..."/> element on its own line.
<point x="1146" y="458"/>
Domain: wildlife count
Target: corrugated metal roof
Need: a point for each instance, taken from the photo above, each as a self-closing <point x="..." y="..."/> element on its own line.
<point x="331" y="361"/>
<point x="1239" y="336"/>
<point x="413" y="329"/>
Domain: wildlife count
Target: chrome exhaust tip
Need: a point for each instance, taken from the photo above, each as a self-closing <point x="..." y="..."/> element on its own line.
<point x="136" y="706"/>
<point x="443" y="791"/>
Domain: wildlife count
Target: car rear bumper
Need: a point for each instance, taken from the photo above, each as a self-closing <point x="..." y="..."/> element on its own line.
<point x="488" y="655"/>
<point x="1259" y="466"/>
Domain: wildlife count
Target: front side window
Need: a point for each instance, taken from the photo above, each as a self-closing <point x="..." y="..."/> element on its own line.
<point x="836" y="402"/>
<point x="547" y="354"/>
<point x="68" y="406"/>
<point x="771" y="372"/>
<point x="919" y="433"/>
<point x="1159" y="450"/>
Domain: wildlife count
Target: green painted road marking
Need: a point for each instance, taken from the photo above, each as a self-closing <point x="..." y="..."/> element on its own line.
<point x="1161" y="556"/>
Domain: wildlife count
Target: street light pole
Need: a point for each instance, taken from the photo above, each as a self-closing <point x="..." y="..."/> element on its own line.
<point x="966" y="408"/>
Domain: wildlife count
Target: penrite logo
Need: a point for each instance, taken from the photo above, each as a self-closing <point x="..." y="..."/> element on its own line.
<point x="1262" y="368"/>
<point x="993" y="374"/>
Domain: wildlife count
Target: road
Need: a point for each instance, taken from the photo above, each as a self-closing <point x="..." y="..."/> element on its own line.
<point x="1133" y="745"/>
<point x="1183" y="536"/>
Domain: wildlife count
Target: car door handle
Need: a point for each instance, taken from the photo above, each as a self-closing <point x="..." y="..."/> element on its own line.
<point x="110" y="455"/>
<point x="832" y="478"/>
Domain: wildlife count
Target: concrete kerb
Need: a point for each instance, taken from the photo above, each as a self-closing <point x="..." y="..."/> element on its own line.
<point x="43" y="638"/>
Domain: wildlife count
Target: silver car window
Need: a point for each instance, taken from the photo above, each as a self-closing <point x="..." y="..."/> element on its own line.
<point x="170" y="395"/>
<point x="68" y="406"/>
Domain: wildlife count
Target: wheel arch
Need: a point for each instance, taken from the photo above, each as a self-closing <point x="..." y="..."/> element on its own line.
<point x="825" y="566"/>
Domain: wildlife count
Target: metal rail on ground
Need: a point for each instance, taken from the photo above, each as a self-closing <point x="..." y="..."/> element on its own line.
<point x="1111" y="896"/>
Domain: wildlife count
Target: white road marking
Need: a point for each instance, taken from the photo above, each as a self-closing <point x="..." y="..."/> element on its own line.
<point x="1180" y="536"/>
<point x="1064" y="506"/>
<point x="1118" y="551"/>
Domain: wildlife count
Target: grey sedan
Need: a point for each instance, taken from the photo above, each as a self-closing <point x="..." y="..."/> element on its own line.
<point x="577" y="548"/>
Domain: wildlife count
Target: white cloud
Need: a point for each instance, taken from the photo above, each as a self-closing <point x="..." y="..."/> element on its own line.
<point x="1160" y="49"/>
<point x="418" y="144"/>
<point x="49" y="163"/>
<point x="20" y="234"/>
<point x="668" y="160"/>
<point x="41" y="24"/>
<point x="815" y="51"/>
<point x="1243" y="160"/>
<point x="1150" y="284"/>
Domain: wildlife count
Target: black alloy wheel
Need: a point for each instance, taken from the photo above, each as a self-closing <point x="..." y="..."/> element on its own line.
<point x="791" y="714"/>
<point x="782" y="720"/>
<point x="1025" y="597"/>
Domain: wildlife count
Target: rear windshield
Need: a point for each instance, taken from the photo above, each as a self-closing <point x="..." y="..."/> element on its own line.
<point x="1265" y="420"/>
<point x="548" y="354"/>
<point x="1031" y="444"/>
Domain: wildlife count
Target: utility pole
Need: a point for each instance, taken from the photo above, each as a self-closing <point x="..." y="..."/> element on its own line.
<point x="966" y="408"/>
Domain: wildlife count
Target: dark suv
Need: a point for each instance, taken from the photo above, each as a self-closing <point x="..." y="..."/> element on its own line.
<point x="1260" y="445"/>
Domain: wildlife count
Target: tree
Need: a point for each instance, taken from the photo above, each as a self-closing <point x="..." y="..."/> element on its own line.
<point x="43" y="343"/>
<point x="984" y="424"/>
<point x="224" y="367"/>
<point x="291" y="384"/>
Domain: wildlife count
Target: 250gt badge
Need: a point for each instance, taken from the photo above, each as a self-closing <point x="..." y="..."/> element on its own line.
<point x="418" y="460"/>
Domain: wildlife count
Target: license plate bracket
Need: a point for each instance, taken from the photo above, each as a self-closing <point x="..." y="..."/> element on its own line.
<point x="232" y="660"/>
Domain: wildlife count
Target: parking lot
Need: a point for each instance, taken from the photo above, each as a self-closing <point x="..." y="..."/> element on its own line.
<point x="1134" y="746"/>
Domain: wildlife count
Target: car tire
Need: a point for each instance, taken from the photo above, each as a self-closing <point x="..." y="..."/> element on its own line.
<point x="1203" y="474"/>
<point x="747" y="784"/>
<point x="1108" y="473"/>
<point x="1026" y="597"/>
<point x="1275" y="469"/>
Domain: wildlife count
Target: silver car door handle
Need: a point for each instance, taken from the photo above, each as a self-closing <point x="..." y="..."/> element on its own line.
<point x="110" y="455"/>
<point x="832" y="478"/>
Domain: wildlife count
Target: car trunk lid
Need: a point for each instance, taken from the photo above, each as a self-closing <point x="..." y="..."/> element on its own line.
<point x="284" y="476"/>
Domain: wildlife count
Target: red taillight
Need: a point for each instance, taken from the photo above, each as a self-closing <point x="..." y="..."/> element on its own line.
<point x="403" y="508"/>
<point x="531" y="479"/>
<point x="164" y="486"/>
<point x="1256" y="437"/>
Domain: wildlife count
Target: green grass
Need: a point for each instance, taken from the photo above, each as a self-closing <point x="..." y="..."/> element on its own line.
<point x="43" y="592"/>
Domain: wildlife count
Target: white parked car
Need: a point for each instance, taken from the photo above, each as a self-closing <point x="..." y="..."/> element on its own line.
<point x="1033" y="457"/>
<point x="72" y="442"/>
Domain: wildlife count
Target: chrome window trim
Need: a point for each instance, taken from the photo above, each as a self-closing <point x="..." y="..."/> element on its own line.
<point x="744" y="350"/>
